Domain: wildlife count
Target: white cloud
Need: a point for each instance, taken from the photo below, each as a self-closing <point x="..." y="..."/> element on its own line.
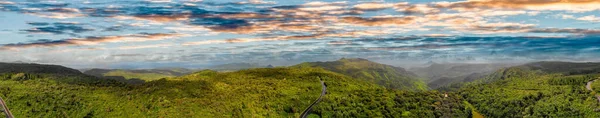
<point x="590" y="18"/>
<point x="566" y="16"/>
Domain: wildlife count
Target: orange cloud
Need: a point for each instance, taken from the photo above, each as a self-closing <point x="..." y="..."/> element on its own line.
<point x="244" y="40"/>
<point x="372" y="6"/>
<point x="383" y="21"/>
<point x="566" y="5"/>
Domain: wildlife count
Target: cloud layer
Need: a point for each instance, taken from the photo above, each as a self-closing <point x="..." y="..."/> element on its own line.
<point x="207" y="31"/>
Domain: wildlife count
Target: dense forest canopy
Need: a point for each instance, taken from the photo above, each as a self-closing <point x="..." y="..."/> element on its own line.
<point x="286" y="91"/>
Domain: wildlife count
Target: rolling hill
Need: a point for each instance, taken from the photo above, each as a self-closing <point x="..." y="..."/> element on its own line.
<point x="142" y="74"/>
<point x="36" y="68"/>
<point x="286" y="91"/>
<point x="440" y="75"/>
<point x="261" y="92"/>
<point x="527" y="92"/>
<point x="235" y="66"/>
<point x="381" y="74"/>
<point x="570" y="68"/>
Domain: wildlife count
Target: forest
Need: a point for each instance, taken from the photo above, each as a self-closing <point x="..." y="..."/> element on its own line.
<point x="286" y="91"/>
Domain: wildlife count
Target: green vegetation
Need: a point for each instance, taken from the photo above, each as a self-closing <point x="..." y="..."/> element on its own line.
<point x="381" y="74"/>
<point x="285" y="92"/>
<point x="596" y="86"/>
<point x="567" y="68"/>
<point x="474" y="113"/>
<point x="36" y="68"/>
<point x="235" y="66"/>
<point x="265" y="92"/>
<point x="133" y="75"/>
<point x="146" y="75"/>
<point x="441" y="75"/>
<point x="521" y="92"/>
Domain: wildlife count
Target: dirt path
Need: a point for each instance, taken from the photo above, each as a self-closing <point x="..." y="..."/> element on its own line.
<point x="323" y="91"/>
<point x="588" y="86"/>
<point x="6" y="111"/>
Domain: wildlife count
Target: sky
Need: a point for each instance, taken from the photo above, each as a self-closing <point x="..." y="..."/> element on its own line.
<point x="201" y="33"/>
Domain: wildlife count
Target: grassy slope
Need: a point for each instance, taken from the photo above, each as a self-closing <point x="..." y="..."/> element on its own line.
<point x="518" y="92"/>
<point x="474" y="113"/>
<point x="385" y="75"/>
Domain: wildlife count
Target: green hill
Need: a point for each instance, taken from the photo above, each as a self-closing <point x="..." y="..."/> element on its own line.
<point x="569" y="68"/>
<point x="532" y="92"/>
<point x="285" y="92"/>
<point x="56" y="73"/>
<point x="263" y="92"/>
<point x="143" y="74"/>
<point x="381" y="74"/>
<point x="36" y="68"/>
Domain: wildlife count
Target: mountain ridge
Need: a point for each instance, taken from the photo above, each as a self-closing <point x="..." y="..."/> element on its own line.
<point x="381" y="74"/>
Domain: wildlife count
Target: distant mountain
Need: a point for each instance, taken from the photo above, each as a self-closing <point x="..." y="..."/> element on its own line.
<point x="429" y="63"/>
<point x="143" y="74"/>
<point x="29" y="71"/>
<point x="531" y="70"/>
<point x="385" y="75"/>
<point x="36" y="68"/>
<point x="439" y="75"/>
<point x="235" y="66"/>
<point x="569" y="68"/>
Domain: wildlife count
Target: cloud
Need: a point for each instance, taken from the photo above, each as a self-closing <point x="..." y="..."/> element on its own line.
<point x="372" y="6"/>
<point x="539" y="5"/>
<point x="417" y="9"/>
<point x="439" y="35"/>
<point x="257" y="2"/>
<point x="159" y="1"/>
<point x="318" y="35"/>
<point x="128" y="55"/>
<point x="6" y="3"/>
<point x="566" y="30"/>
<point x="383" y="21"/>
<point x="321" y="8"/>
<point x="145" y="46"/>
<point x="319" y="3"/>
<point x="38" y="23"/>
<point x="58" y="28"/>
<point x="425" y="47"/>
<point x="155" y="18"/>
<point x="565" y="16"/>
<point x="95" y="40"/>
<point x="245" y="40"/>
<point x="62" y="10"/>
<point x="590" y="18"/>
<point x="56" y="15"/>
<point x="501" y="28"/>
